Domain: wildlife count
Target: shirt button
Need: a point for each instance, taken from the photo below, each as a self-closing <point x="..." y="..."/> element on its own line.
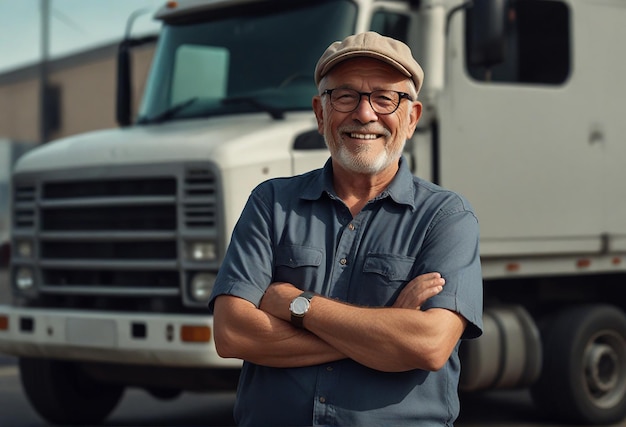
<point x="343" y="261"/>
<point x="329" y="368"/>
<point x="351" y="227"/>
<point x="322" y="399"/>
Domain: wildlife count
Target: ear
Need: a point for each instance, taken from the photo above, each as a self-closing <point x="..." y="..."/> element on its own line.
<point x="319" y="113"/>
<point x="414" y="117"/>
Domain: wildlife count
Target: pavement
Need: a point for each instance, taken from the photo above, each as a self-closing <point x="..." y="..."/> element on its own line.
<point x="8" y="365"/>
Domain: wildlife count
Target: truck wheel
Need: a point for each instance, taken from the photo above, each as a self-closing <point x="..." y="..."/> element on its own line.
<point x="583" y="378"/>
<point x="63" y="394"/>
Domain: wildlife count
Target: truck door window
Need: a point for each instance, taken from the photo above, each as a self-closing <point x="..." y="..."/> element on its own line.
<point x="537" y="48"/>
<point x="391" y="24"/>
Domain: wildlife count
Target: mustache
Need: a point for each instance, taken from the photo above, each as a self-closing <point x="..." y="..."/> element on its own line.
<point x="378" y="130"/>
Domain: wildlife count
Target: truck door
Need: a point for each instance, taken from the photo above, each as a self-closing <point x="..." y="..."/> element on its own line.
<point x="601" y="33"/>
<point x="515" y="138"/>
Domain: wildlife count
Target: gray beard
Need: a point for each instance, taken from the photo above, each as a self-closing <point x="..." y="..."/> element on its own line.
<point x="358" y="164"/>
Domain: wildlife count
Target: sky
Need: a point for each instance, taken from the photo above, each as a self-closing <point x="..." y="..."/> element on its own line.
<point x="74" y="26"/>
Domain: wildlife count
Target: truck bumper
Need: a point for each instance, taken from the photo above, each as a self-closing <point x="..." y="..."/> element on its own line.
<point x="128" y="338"/>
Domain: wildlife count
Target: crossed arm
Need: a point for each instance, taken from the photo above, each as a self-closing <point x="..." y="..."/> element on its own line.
<point x="397" y="338"/>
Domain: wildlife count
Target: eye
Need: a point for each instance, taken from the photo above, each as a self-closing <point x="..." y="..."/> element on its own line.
<point x="384" y="98"/>
<point x="345" y="95"/>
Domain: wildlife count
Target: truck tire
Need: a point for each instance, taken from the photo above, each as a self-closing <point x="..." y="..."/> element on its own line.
<point x="62" y="393"/>
<point x="583" y="378"/>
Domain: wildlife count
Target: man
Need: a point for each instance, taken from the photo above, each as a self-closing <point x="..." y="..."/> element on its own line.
<point x="374" y="339"/>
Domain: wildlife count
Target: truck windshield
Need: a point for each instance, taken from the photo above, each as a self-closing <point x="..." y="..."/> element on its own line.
<point x="252" y="59"/>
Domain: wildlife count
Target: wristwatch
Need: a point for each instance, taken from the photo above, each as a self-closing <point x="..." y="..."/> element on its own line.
<point x="299" y="306"/>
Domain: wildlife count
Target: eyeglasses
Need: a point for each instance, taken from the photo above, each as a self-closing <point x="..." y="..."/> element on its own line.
<point x="382" y="101"/>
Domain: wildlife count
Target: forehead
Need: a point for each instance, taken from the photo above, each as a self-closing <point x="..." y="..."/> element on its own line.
<point x="358" y="71"/>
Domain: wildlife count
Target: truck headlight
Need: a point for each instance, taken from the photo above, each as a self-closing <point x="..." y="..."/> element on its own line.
<point x="201" y="251"/>
<point x="24" y="279"/>
<point x="24" y="248"/>
<point x="202" y="286"/>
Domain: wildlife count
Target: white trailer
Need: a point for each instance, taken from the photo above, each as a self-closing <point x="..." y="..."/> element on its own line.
<point x="118" y="234"/>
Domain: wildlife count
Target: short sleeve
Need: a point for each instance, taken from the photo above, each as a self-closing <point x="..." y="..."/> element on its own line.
<point x="246" y="270"/>
<point x="452" y="249"/>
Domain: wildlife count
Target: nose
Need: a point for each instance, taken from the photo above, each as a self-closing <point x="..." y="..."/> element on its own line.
<point x="364" y="112"/>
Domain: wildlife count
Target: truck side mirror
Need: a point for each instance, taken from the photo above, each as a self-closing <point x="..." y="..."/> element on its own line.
<point x="124" y="99"/>
<point x="124" y="105"/>
<point x="486" y="32"/>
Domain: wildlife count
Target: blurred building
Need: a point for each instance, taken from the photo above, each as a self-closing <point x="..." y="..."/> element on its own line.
<point x="80" y="95"/>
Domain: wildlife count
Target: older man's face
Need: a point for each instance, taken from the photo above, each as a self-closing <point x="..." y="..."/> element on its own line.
<point x="363" y="141"/>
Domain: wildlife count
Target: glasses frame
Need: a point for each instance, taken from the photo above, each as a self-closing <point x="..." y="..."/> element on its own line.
<point x="401" y="96"/>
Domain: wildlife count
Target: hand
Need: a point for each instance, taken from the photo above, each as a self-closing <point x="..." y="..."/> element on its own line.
<point x="277" y="298"/>
<point x="418" y="290"/>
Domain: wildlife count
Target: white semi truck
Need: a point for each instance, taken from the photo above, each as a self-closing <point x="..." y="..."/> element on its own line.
<point x="117" y="235"/>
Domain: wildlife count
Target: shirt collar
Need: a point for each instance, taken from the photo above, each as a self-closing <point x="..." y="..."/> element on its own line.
<point x="401" y="190"/>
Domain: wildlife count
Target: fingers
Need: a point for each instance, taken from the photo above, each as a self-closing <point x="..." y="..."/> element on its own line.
<point x="434" y="276"/>
<point x="428" y="282"/>
<point x="419" y="290"/>
<point x="430" y="292"/>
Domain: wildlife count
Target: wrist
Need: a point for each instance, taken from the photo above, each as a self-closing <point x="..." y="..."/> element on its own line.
<point x="299" y="307"/>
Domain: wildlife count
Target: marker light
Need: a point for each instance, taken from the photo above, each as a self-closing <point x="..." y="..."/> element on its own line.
<point x="195" y="333"/>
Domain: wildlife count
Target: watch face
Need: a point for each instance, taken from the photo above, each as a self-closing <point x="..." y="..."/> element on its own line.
<point x="300" y="306"/>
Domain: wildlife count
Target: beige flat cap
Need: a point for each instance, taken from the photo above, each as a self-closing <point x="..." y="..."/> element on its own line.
<point x="371" y="45"/>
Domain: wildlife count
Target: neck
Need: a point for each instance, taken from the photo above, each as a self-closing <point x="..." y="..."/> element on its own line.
<point x="355" y="190"/>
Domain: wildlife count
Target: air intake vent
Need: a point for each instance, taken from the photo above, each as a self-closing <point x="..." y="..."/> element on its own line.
<point x="24" y="206"/>
<point x="200" y="198"/>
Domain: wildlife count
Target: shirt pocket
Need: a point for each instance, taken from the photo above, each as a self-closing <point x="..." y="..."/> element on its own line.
<point x="389" y="268"/>
<point x="384" y="276"/>
<point x="298" y="265"/>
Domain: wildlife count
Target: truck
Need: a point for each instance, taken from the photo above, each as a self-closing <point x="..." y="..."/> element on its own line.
<point x="118" y="234"/>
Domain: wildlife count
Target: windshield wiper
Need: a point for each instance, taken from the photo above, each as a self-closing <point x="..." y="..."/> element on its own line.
<point x="276" y="113"/>
<point x="169" y="113"/>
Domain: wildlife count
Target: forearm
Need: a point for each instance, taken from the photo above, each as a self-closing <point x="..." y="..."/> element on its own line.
<point x="245" y="332"/>
<point x="386" y="339"/>
<point x="395" y="338"/>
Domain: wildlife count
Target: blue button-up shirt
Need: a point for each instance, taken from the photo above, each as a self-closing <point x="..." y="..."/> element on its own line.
<point x="297" y="230"/>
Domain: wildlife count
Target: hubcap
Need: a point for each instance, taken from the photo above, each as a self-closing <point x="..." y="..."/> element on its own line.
<point x="605" y="368"/>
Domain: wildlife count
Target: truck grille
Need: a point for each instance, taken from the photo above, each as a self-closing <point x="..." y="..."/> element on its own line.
<point x="24" y="202"/>
<point x="200" y="191"/>
<point x="115" y="242"/>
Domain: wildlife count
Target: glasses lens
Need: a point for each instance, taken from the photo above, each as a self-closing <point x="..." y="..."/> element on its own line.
<point x="382" y="101"/>
<point x="344" y="100"/>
